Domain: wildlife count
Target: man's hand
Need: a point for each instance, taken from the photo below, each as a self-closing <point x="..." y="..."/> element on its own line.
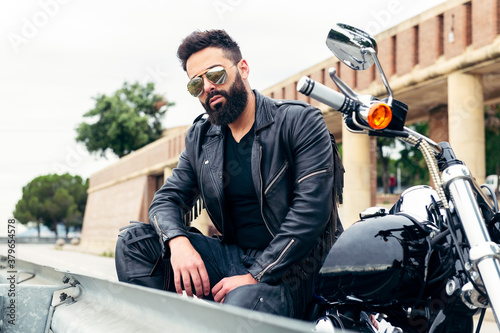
<point x="374" y="321"/>
<point x="188" y="267"/>
<point x="221" y="289"/>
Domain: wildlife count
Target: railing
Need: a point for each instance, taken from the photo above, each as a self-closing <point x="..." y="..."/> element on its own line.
<point x="35" y="240"/>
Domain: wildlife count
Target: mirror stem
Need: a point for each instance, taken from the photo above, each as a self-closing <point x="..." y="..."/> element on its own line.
<point x="373" y="53"/>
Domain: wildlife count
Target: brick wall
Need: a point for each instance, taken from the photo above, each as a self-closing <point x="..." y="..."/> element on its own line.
<point x="156" y="153"/>
<point x="124" y="190"/>
<point x="431" y="34"/>
<point x="108" y="210"/>
<point x="405" y="49"/>
<point x="438" y="124"/>
<point x="417" y="43"/>
<point x="486" y="22"/>
<point x="455" y="18"/>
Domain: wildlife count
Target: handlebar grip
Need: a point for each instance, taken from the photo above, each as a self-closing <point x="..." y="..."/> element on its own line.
<point x="325" y="95"/>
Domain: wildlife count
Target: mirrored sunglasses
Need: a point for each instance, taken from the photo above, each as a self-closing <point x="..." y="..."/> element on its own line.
<point x="216" y="75"/>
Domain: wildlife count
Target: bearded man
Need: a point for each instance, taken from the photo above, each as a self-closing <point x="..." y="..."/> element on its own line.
<point x="264" y="171"/>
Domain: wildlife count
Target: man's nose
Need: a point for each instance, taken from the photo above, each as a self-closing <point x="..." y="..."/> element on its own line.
<point x="208" y="86"/>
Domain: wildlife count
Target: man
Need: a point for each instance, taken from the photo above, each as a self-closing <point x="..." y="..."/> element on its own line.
<point x="392" y="183"/>
<point x="264" y="170"/>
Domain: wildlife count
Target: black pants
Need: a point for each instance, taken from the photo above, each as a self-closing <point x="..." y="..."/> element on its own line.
<point x="138" y="261"/>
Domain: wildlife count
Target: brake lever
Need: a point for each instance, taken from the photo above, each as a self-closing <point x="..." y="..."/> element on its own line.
<point x="343" y="87"/>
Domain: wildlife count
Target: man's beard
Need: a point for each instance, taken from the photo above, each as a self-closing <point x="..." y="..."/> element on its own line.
<point x="236" y="101"/>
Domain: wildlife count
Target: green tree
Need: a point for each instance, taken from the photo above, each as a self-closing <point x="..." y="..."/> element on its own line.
<point x="410" y="161"/>
<point x="51" y="199"/>
<point x="125" y="121"/>
<point x="492" y="140"/>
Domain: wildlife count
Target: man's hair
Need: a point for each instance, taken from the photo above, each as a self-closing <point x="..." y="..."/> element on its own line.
<point x="200" y="40"/>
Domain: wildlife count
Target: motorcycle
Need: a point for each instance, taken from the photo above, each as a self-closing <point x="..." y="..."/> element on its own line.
<point x="432" y="261"/>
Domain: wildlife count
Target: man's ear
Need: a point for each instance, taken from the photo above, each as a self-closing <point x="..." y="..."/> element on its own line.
<point x="244" y="69"/>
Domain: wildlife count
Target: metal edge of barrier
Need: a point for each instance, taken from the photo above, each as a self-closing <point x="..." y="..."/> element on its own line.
<point x="107" y="306"/>
<point x="80" y="303"/>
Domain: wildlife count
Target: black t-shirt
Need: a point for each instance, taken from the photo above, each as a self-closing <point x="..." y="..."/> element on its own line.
<point x="240" y="197"/>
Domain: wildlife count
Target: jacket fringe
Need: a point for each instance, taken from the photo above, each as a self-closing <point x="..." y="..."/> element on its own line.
<point x="194" y="212"/>
<point x="338" y="173"/>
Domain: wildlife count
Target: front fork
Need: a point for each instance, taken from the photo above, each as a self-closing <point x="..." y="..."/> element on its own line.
<point x="484" y="254"/>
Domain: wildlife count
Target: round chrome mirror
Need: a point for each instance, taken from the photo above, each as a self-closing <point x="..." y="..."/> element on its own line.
<point x="350" y="45"/>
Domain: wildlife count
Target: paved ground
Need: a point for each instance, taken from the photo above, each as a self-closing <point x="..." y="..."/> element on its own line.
<point x="68" y="259"/>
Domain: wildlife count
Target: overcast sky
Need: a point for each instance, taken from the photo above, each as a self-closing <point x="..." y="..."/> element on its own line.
<point x="55" y="55"/>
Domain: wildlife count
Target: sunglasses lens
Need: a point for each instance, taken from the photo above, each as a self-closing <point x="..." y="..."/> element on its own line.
<point x="195" y="86"/>
<point x="217" y="75"/>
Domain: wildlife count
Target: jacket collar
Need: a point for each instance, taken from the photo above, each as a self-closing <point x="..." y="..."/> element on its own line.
<point x="263" y="115"/>
<point x="214" y="130"/>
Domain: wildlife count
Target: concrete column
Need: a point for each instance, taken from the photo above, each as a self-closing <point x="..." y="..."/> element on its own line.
<point x="202" y="223"/>
<point x="357" y="189"/>
<point x="167" y="172"/>
<point x="466" y="122"/>
<point x="373" y="171"/>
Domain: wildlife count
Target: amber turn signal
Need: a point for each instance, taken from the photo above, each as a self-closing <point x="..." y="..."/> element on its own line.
<point x="379" y="116"/>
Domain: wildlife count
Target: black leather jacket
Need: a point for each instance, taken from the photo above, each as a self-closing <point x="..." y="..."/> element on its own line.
<point x="292" y="170"/>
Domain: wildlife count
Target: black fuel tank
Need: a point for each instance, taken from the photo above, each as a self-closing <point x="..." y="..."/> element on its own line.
<point x="379" y="261"/>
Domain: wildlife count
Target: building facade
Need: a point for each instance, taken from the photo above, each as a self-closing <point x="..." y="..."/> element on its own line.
<point x="444" y="64"/>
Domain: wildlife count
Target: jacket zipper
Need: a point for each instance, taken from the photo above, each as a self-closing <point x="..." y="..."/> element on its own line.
<point x="157" y="227"/>
<point x="203" y="192"/>
<point x="262" y="193"/>
<point x="283" y="169"/>
<point x="274" y="263"/>
<point x="313" y="174"/>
